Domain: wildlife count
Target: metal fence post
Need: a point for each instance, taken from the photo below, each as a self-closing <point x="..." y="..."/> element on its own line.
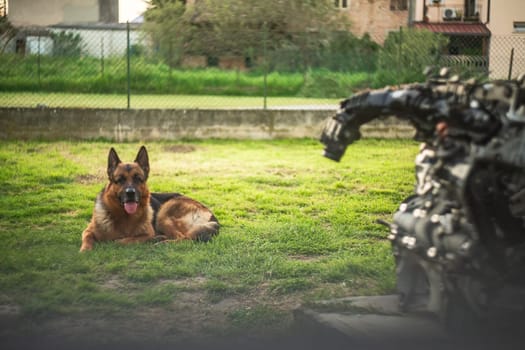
<point x="511" y="63"/>
<point x="170" y="59"/>
<point x="102" y="56"/>
<point x="128" y="64"/>
<point x="38" y="63"/>
<point x="265" y="38"/>
<point x="399" y="53"/>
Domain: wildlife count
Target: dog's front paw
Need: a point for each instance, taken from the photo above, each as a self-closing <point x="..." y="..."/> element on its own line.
<point x="85" y="248"/>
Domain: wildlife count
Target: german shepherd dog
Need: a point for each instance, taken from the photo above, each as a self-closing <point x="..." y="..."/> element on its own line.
<point x="126" y="212"/>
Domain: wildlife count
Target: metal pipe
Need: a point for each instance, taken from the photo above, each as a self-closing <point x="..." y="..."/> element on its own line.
<point x="128" y="64"/>
<point x="511" y="63"/>
<point x="488" y="13"/>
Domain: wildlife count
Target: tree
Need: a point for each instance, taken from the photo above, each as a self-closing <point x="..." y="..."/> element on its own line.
<point x="166" y="24"/>
<point x="66" y="44"/>
<point x="406" y="53"/>
<point x="245" y="27"/>
<point x="7" y="32"/>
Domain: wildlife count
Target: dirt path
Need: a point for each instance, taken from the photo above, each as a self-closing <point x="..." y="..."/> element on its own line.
<point x="191" y="322"/>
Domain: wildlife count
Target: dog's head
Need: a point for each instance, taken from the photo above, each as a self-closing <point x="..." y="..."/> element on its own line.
<point x="127" y="181"/>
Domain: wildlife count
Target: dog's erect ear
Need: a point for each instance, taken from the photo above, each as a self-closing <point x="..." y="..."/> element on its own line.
<point x="143" y="161"/>
<point x="113" y="162"/>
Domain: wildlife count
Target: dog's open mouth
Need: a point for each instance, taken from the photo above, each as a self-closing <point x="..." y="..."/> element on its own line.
<point x="131" y="207"/>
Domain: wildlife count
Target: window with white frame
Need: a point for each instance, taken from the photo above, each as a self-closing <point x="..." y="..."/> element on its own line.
<point x="342" y="4"/>
<point x="519" y="27"/>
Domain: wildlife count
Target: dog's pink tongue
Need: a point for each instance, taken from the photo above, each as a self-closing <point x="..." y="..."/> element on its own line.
<point x="130" y="207"/>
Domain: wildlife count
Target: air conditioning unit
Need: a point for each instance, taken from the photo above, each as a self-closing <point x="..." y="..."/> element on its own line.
<point x="450" y="13"/>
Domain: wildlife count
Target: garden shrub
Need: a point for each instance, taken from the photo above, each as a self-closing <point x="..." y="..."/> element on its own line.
<point x="406" y="53"/>
<point x="66" y="44"/>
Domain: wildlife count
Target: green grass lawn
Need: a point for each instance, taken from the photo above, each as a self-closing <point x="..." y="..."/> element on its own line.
<point x="75" y="100"/>
<point x="296" y="227"/>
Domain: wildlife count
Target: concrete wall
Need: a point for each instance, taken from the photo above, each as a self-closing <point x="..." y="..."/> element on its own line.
<point x="154" y="125"/>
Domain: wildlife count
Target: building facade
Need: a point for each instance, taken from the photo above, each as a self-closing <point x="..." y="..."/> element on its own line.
<point x="375" y="17"/>
<point x="95" y="21"/>
<point x="24" y="13"/>
<point x="506" y="21"/>
<point x="488" y="34"/>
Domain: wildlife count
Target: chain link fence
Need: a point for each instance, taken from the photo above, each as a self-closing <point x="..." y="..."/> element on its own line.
<point x="507" y="56"/>
<point x="119" y="66"/>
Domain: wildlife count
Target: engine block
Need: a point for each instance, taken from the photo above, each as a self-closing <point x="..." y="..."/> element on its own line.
<point x="459" y="240"/>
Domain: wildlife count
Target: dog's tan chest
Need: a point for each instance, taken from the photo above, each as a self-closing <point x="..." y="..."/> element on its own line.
<point x="111" y="226"/>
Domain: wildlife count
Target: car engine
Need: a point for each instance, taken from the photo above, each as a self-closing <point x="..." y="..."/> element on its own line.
<point x="459" y="240"/>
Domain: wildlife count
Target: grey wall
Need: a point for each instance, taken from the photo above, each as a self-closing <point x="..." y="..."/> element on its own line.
<point x="152" y="125"/>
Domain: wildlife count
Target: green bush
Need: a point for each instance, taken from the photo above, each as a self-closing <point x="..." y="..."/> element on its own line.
<point x="341" y="65"/>
<point x="321" y="65"/>
<point x="341" y="52"/>
<point x="324" y="83"/>
<point x="406" y="53"/>
<point x="347" y="53"/>
<point x="66" y="44"/>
